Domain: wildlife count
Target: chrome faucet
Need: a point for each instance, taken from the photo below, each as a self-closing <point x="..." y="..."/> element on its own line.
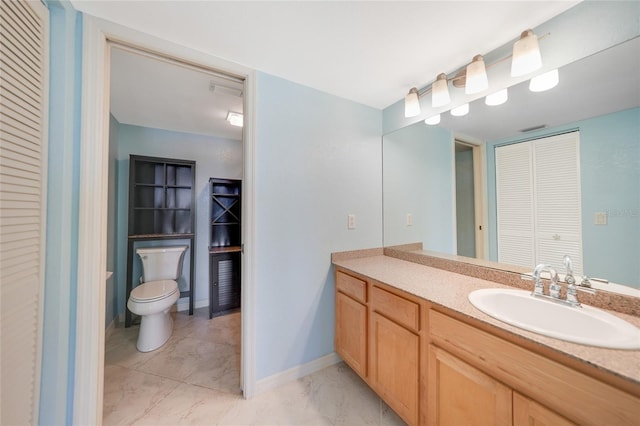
<point x="554" y="288"/>
<point x="572" y="291"/>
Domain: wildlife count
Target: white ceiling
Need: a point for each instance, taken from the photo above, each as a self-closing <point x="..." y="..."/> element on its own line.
<point x="370" y="52"/>
<point x="150" y="92"/>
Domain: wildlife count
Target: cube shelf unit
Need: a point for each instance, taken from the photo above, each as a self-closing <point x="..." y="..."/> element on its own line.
<point x="161" y="207"/>
<point x="225" y="247"/>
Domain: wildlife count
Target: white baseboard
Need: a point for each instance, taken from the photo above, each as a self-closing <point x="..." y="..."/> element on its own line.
<point x="183" y="305"/>
<point x="296" y="372"/>
<point x="110" y="328"/>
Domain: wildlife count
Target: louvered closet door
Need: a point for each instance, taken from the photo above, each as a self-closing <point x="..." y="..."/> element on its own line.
<point x="515" y="205"/>
<point x="23" y="105"/>
<point x="558" y="201"/>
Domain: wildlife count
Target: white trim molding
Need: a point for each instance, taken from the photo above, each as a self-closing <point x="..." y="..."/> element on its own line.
<point x="296" y="372"/>
<point x="90" y="303"/>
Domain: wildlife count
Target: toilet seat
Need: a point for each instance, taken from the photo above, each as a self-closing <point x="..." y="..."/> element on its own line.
<point x="152" y="291"/>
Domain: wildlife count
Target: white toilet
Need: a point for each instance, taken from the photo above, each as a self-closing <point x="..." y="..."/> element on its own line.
<point x="152" y="300"/>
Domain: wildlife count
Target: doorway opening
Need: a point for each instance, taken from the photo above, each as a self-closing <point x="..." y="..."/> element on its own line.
<point x="470" y="195"/>
<point x="163" y="107"/>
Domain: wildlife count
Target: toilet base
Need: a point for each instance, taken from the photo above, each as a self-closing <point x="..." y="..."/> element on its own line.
<point x="155" y="330"/>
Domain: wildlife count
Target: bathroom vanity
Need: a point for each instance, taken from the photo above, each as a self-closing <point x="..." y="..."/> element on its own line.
<point x="410" y="332"/>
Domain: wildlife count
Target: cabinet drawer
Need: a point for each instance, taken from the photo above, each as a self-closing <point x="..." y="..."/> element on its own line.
<point x="351" y="286"/>
<point x="399" y="309"/>
<point x="574" y="395"/>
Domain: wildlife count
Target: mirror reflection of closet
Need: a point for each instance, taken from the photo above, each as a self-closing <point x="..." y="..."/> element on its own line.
<point x="465" y="200"/>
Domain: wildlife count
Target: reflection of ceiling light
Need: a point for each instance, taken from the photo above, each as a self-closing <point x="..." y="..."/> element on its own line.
<point x="224" y="90"/>
<point x="476" y="80"/>
<point x="526" y="54"/>
<point x="497" y="98"/>
<point x="433" y="120"/>
<point x="235" y="118"/>
<point x="460" y="111"/>
<point x="545" y="81"/>
<point x="440" y="92"/>
<point x="411" y="103"/>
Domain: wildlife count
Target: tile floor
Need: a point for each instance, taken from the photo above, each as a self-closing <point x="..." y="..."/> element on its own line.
<point x="194" y="379"/>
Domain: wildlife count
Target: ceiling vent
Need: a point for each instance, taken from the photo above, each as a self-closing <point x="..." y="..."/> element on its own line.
<point x="531" y="129"/>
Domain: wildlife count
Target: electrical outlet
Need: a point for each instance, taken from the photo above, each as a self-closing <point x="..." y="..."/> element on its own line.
<point x="600" y="218"/>
<point x="409" y="219"/>
<point x="351" y="221"/>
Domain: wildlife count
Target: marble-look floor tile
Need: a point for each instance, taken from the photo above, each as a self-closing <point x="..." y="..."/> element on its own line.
<point x="130" y="394"/>
<point x="181" y="358"/>
<point x="194" y="379"/>
<point x="190" y="405"/>
<point x="219" y="370"/>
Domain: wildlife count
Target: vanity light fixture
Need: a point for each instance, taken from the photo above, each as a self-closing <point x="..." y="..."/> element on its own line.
<point x="461" y="110"/>
<point x="525" y="59"/>
<point x="497" y="98"/>
<point x="411" y="103"/>
<point x="476" y="76"/>
<point x="440" y="91"/>
<point x="433" y="120"/>
<point x="526" y="55"/>
<point x="235" y="119"/>
<point x="545" y="81"/>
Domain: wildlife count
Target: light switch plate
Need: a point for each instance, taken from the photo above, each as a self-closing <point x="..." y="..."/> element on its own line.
<point x="409" y="219"/>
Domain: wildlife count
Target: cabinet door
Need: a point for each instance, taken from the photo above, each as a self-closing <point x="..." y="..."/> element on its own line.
<point x="351" y="333"/>
<point x="460" y="394"/>
<point x="224" y="285"/>
<point x="527" y="412"/>
<point x="395" y="374"/>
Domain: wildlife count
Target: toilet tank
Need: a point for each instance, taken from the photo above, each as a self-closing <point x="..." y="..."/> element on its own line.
<point x="161" y="263"/>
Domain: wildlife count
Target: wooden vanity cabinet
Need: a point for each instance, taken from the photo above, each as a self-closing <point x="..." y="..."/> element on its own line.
<point x="394" y="351"/>
<point x="513" y="379"/>
<point x="463" y="395"/>
<point x="434" y="366"/>
<point x="351" y="322"/>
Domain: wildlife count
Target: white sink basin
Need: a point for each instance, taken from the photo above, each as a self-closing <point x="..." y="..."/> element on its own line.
<point x="585" y="324"/>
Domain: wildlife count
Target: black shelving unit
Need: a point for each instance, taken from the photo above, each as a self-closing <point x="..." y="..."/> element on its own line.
<point x="225" y="247"/>
<point x="161" y="207"/>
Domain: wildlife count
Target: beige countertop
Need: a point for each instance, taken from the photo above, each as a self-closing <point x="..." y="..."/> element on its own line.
<point x="450" y="290"/>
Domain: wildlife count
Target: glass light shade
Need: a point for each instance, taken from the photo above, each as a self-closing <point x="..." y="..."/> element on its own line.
<point x="460" y="110"/>
<point x="411" y="103"/>
<point x="476" y="76"/>
<point x="526" y="55"/>
<point x="440" y="92"/>
<point x="497" y="98"/>
<point x="433" y="120"/>
<point x="545" y="81"/>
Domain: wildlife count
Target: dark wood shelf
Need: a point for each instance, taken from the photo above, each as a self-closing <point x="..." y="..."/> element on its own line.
<point x="225" y="250"/>
<point x="162" y="205"/>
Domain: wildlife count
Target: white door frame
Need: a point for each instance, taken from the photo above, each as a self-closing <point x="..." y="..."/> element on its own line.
<point x="479" y="188"/>
<point x="92" y="241"/>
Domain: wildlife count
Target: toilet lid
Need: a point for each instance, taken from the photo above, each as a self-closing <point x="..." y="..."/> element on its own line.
<point x="154" y="290"/>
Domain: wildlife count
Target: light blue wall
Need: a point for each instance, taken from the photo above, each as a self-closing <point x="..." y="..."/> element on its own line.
<point x="318" y="159"/>
<point x="418" y="179"/>
<point x="58" y="346"/>
<point x="610" y="182"/>
<point x="215" y="157"/>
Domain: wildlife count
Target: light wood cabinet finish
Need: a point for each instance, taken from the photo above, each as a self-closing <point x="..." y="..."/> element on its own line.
<point x="463" y="395"/>
<point x="570" y="393"/>
<point x="394" y="354"/>
<point x="351" y="286"/>
<point x="433" y="366"/>
<point x="351" y="326"/>
<point x="527" y="412"/>
<point x="399" y="309"/>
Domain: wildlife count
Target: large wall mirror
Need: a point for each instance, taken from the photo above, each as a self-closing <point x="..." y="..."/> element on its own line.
<point x="428" y="170"/>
